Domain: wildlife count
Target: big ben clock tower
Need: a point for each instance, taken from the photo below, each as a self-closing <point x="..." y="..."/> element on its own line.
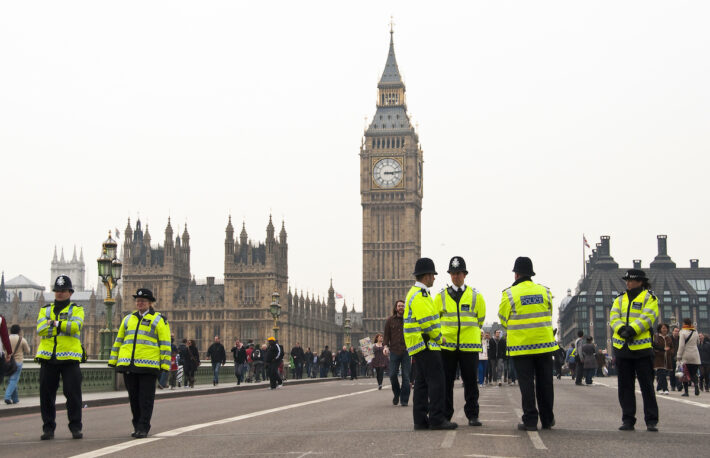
<point x="391" y="189"/>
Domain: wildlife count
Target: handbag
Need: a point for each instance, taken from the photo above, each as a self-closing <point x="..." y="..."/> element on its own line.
<point x="10" y="367"/>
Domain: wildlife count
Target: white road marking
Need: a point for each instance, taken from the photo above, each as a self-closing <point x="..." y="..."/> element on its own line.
<point x="175" y="432"/>
<point x="533" y="435"/>
<point x="117" y="448"/>
<point x="448" y="439"/>
<point x="490" y="405"/>
<point x="483" y="420"/>
<point x="683" y="401"/>
<point x="305" y="454"/>
<point x="493" y="435"/>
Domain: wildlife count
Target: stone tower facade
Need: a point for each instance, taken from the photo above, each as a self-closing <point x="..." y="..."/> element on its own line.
<point x="391" y="190"/>
<point x="74" y="269"/>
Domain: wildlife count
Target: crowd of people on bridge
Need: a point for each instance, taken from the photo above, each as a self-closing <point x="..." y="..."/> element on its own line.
<point x="429" y="341"/>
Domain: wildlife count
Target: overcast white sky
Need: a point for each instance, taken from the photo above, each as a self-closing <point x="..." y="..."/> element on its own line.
<point x="539" y="121"/>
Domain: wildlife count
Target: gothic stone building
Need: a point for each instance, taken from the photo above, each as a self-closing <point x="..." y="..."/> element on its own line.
<point x="237" y="308"/>
<point x="391" y="190"/>
<point x="682" y="293"/>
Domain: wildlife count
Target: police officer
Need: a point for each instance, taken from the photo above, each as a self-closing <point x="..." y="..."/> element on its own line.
<point x="59" y="354"/>
<point x="141" y="351"/>
<point x="632" y="317"/>
<point x="422" y="335"/>
<point x="462" y="311"/>
<point x="526" y="312"/>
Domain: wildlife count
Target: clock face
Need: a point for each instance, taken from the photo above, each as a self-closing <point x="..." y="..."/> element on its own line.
<point x="387" y="173"/>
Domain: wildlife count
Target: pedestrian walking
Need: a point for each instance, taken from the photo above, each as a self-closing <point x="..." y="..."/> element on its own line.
<point x="308" y="361"/>
<point x="190" y="358"/>
<point x="400" y="362"/>
<point x="20" y="348"/>
<point x="422" y="334"/>
<point x="354" y="363"/>
<point x="578" y="359"/>
<point x="299" y="357"/>
<point x="632" y="315"/>
<point x="589" y="360"/>
<point x="59" y="353"/>
<point x="704" y="350"/>
<point x="526" y="312"/>
<point x="676" y="385"/>
<point x="483" y="360"/>
<point x="257" y="357"/>
<point x="663" y="358"/>
<point x="174" y="368"/>
<point x="462" y="311"/>
<point x="274" y="356"/>
<point x="571" y="360"/>
<point x="5" y="347"/>
<point x="141" y="351"/>
<point x="344" y="362"/>
<point x="239" y="354"/>
<point x="601" y="363"/>
<point x="689" y="355"/>
<point x="218" y="358"/>
<point x="325" y="359"/>
<point x="379" y="362"/>
<point x="497" y="353"/>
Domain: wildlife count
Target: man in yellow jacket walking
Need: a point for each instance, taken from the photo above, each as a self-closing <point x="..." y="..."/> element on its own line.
<point x="141" y="351"/>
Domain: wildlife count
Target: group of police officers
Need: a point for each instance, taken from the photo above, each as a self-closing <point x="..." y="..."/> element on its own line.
<point x="442" y="333"/>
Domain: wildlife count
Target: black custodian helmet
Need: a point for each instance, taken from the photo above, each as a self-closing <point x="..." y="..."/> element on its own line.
<point x="424" y="266"/>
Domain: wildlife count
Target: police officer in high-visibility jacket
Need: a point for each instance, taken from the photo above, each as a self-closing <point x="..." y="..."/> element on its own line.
<point x="422" y="335"/>
<point x="461" y="310"/>
<point x="141" y="351"/>
<point x="526" y="312"/>
<point x="59" y="354"/>
<point x="632" y="318"/>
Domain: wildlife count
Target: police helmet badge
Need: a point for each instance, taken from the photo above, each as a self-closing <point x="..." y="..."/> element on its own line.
<point x="455" y="263"/>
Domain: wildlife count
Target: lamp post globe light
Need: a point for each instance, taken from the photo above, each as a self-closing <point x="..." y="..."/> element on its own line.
<point x="275" y="310"/>
<point x="110" y="272"/>
<point x="347" y="331"/>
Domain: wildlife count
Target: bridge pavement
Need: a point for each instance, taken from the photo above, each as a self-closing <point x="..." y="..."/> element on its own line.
<point x="343" y="418"/>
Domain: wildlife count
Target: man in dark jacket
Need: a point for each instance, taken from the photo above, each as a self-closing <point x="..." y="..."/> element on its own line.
<point x="274" y="356"/>
<point x="704" y="349"/>
<point x="325" y="360"/>
<point x="675" y="335"/>
<point x="399" y="358"/>
<point x="239" y="353"/>
<point x="496" y="357"/>
<point x="344" y="362"/>
<point x="257" y="359"/>
<point x="298" y="356"/>
<point x="308" y="361"/>
<point x="218" y="356"/>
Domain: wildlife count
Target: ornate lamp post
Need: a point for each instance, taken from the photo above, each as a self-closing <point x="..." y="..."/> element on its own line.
<point x="347" y="331"/>
<point x="110" y="272"/>
<point x="275" y="310"/>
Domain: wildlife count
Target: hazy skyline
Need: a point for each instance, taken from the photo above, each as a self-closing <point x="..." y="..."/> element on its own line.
<point x="539" y="121"/>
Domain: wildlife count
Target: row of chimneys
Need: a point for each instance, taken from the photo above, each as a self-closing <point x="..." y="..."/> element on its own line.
<point x="694" y="263"/>
<point x="603" y="250"/>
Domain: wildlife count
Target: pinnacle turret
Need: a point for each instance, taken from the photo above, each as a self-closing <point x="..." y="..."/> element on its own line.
<point x="390" y="75"/>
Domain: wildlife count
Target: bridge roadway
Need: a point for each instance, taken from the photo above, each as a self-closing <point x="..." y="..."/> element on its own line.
<point x="343" y="418"/>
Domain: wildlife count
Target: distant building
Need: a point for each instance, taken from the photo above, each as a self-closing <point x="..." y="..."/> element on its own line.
<point x="682" y="293"/>
<point x="24" y="288"/>
<point x="74" y="269"/>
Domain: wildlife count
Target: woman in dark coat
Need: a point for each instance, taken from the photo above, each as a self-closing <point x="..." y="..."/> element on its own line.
<point x="354" y="361"/>
<point x="191" y="361"/>
<point x="380" y="361"/>
<point x="663" y="358"/>
<point x="589" y="359"/>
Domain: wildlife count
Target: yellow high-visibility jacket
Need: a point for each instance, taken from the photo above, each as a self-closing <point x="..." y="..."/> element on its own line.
<point x="526" y="312"/>
<point x="63" y="342"/>
<point x="461" y="323"/>
<point x="641" y="316"/>
<point x="142" y="344"/>
<point x="420" y="319"/>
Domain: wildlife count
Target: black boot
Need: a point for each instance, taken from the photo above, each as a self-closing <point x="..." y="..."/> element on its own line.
<point x="685" y="389"/>
<point x="697" y="390"/>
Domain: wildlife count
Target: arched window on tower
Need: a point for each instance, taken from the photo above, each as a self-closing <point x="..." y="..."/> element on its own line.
<point x="249" y="293"/>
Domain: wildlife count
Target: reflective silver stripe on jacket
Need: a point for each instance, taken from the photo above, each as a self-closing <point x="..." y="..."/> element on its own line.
<point x="525" y="316"/>
<point x="540" y="324"/>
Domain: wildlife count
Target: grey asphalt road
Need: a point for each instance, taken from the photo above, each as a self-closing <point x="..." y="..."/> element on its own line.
<point x="344" y="418"/>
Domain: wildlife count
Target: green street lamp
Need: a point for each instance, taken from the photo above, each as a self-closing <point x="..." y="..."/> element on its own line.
<point x="275" y="310"/>
<point x="347" y="331"/>
<point x="110" y="272"/>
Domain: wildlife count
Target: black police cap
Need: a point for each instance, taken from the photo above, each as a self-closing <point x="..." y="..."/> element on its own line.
<point x="457" y="264"/>
<point x="144" y="293"/>
<point x="63" y="283"/>
<point x="424" y="266"/>
<point x="635" y="274"/>
<point x="524" y="266"/>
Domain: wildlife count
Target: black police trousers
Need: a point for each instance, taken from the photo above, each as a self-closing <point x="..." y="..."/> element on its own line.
<point x="629" y="369"/>
<point x="535" y="381"/>
<point x="274" y="377"/>
<point x="468" y="362"/>
<point x="71" y="386"/>
<point x="141" y="394"/>
<point x="429" y="389"/>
